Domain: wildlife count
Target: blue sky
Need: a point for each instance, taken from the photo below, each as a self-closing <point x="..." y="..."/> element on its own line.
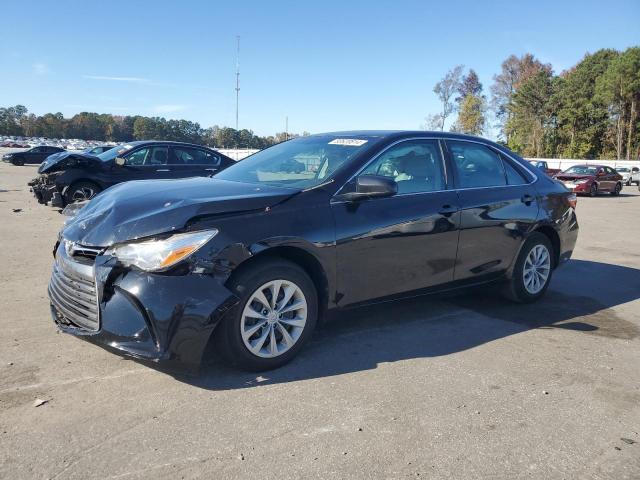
<point x="327" y="65"/>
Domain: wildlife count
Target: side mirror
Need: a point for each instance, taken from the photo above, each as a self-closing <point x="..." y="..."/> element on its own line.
<point x="120" y="161"/>
<point x="372" y="186"/>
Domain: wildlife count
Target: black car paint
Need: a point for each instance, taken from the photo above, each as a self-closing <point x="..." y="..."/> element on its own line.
<point x="356" y="252"/>
<point x="34" y="155"/>
<point x="60" y="173"/>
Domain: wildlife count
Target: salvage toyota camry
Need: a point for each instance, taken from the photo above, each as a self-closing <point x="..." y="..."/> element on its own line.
<point x="251" y="259"/>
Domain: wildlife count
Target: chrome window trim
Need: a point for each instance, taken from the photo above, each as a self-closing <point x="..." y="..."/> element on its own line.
<point x="374" y="158"/>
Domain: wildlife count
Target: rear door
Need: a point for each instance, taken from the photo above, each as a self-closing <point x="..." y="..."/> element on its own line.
<point x="498" y="207"/>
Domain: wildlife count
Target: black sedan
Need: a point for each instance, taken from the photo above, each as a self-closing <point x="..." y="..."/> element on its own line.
<point x="251" y="259"/>
<point x="71" y="177"/>
<point x="33" y="155"/>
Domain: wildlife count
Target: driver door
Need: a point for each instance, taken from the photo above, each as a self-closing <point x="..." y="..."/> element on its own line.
<point x="146" y="163"/>
<point x="393" y="245"/>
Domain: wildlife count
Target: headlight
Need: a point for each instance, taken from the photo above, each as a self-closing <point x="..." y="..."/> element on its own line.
<point x="154" y="255"/>
<point x="583" y="180"/>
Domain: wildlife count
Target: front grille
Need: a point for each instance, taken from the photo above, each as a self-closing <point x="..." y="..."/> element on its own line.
<point x="73" y="297"/>
<point x="78" y="250"/>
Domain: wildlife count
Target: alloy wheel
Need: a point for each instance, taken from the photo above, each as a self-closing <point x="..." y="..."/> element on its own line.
<point x="273" y="318"/>
<point x="83" y="193"/>
<point x="536" y="269"/>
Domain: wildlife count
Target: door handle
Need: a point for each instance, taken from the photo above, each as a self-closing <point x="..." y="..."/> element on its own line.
<point x="527" y="199"/>
<point x="210" y="169"/>
<point x="163" y="170"/>
<point x="447" y="209"/>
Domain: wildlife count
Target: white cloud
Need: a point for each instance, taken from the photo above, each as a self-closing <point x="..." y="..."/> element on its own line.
<point x="169" y="108"/>
<point x="117" y="79"/>
<point x="40" y="68"/>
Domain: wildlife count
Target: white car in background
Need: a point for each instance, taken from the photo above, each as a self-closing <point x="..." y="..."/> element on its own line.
<point x="629" y="175"/>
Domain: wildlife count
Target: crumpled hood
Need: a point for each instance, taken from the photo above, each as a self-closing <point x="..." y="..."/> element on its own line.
<point x="142" y="208"/>
<point x="572" y="176"/>
<point x="62" y="160"/>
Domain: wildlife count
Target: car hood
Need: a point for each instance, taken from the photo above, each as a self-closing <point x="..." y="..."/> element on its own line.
<point x="572" y="176"/>
<point x="62" y="160"/>
<point x="143" y="208"/>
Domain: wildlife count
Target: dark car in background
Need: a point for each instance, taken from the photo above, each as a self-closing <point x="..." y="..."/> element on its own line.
<point x="591" y="179"/>
<point x="250" y="259"/>
<point x="77" y="176"/>
<point x="33" y="155"/>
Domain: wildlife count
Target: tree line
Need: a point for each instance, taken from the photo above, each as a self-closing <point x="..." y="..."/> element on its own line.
<point x="17" y="121"/>
<point x="589" y="111"/>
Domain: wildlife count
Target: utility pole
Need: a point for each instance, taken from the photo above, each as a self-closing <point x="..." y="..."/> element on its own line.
<point x="286" y="127"/>
<point x="237" y="79"/>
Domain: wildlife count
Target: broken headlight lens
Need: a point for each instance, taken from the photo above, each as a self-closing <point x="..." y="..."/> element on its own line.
<point x="152" y="255"/>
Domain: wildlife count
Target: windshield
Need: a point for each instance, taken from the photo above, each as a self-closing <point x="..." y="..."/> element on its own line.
<point x="303" y="162"/>
<point x="114" y="152"/>
<point x="623" y="170"/>
<point x="582" y="170"/>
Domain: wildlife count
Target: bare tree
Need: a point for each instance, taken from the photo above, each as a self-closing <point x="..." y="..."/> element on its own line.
<point x="445" y="89"/>
<point x="432" y="122"/>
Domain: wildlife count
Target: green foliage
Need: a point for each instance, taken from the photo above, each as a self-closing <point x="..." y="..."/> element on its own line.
<point x="588" y="111"/>
<point x="471" y="118"/>
<point x="16" y="121"/>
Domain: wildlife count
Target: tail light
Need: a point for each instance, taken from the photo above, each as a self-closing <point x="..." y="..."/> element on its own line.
<point x="572" y="200"/>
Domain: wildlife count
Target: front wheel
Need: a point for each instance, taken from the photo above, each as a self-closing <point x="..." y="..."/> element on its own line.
<point x="593" y="191"/>
<point x="533" y="270"/>
<point x="276" y="315"/>
<point x="617" y="189"/>
<point x="81" y="191"/>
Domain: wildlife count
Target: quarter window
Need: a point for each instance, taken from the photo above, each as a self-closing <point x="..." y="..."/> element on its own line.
<point x="514" y="177"/>
<point x="477" y="165"/>
<point x="416" y="165"/>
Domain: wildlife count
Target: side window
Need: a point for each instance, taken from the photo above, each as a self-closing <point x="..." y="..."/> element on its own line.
<point x="38" y="150"/>
<point x="610" y="170"/>
<point x="514" y="177"/>
<point x="137" y="158"/>
<point x="193" y="156"/>
<point x="415" y="164"/>
<point x="149" y="156"/>
<point x="477" y="165"/>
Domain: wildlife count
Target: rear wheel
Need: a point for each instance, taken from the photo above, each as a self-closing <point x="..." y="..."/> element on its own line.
<point x="617" y="189"/>
<point x="81" y="191"/>
<point x="593" y="191"/>
<point x="533" y="270"/>
<point x="276" y="315"/>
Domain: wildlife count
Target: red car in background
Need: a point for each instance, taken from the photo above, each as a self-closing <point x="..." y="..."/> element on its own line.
<point x="591" y="179"/>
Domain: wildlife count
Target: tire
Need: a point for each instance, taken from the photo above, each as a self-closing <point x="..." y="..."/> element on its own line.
<point x="234" y="347"/>
<point x="628" y="184"/>
<point x="593" y="191"/>
<point x="81" y="191"/>
<point x="617" y="190"/>
<point x="18" y="161"/>
<point x="519" y="289"/>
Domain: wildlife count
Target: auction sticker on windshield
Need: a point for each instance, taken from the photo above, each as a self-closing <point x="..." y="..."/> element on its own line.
<point x="348" y="142"/>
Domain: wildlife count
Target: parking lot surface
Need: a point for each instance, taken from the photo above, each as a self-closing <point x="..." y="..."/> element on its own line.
<point x="466" y="386"/>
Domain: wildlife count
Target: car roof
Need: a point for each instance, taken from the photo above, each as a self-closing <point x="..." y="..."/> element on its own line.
<point x="404" y="133"/>
<point x="163" y="142"/>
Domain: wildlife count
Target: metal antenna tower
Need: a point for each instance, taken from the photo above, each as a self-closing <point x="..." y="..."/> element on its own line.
<point x="237" y="79"/>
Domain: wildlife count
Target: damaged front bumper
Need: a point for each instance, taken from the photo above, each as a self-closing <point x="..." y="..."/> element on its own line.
<point x="46" y="191"/>
<point x="155" y="317"/>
